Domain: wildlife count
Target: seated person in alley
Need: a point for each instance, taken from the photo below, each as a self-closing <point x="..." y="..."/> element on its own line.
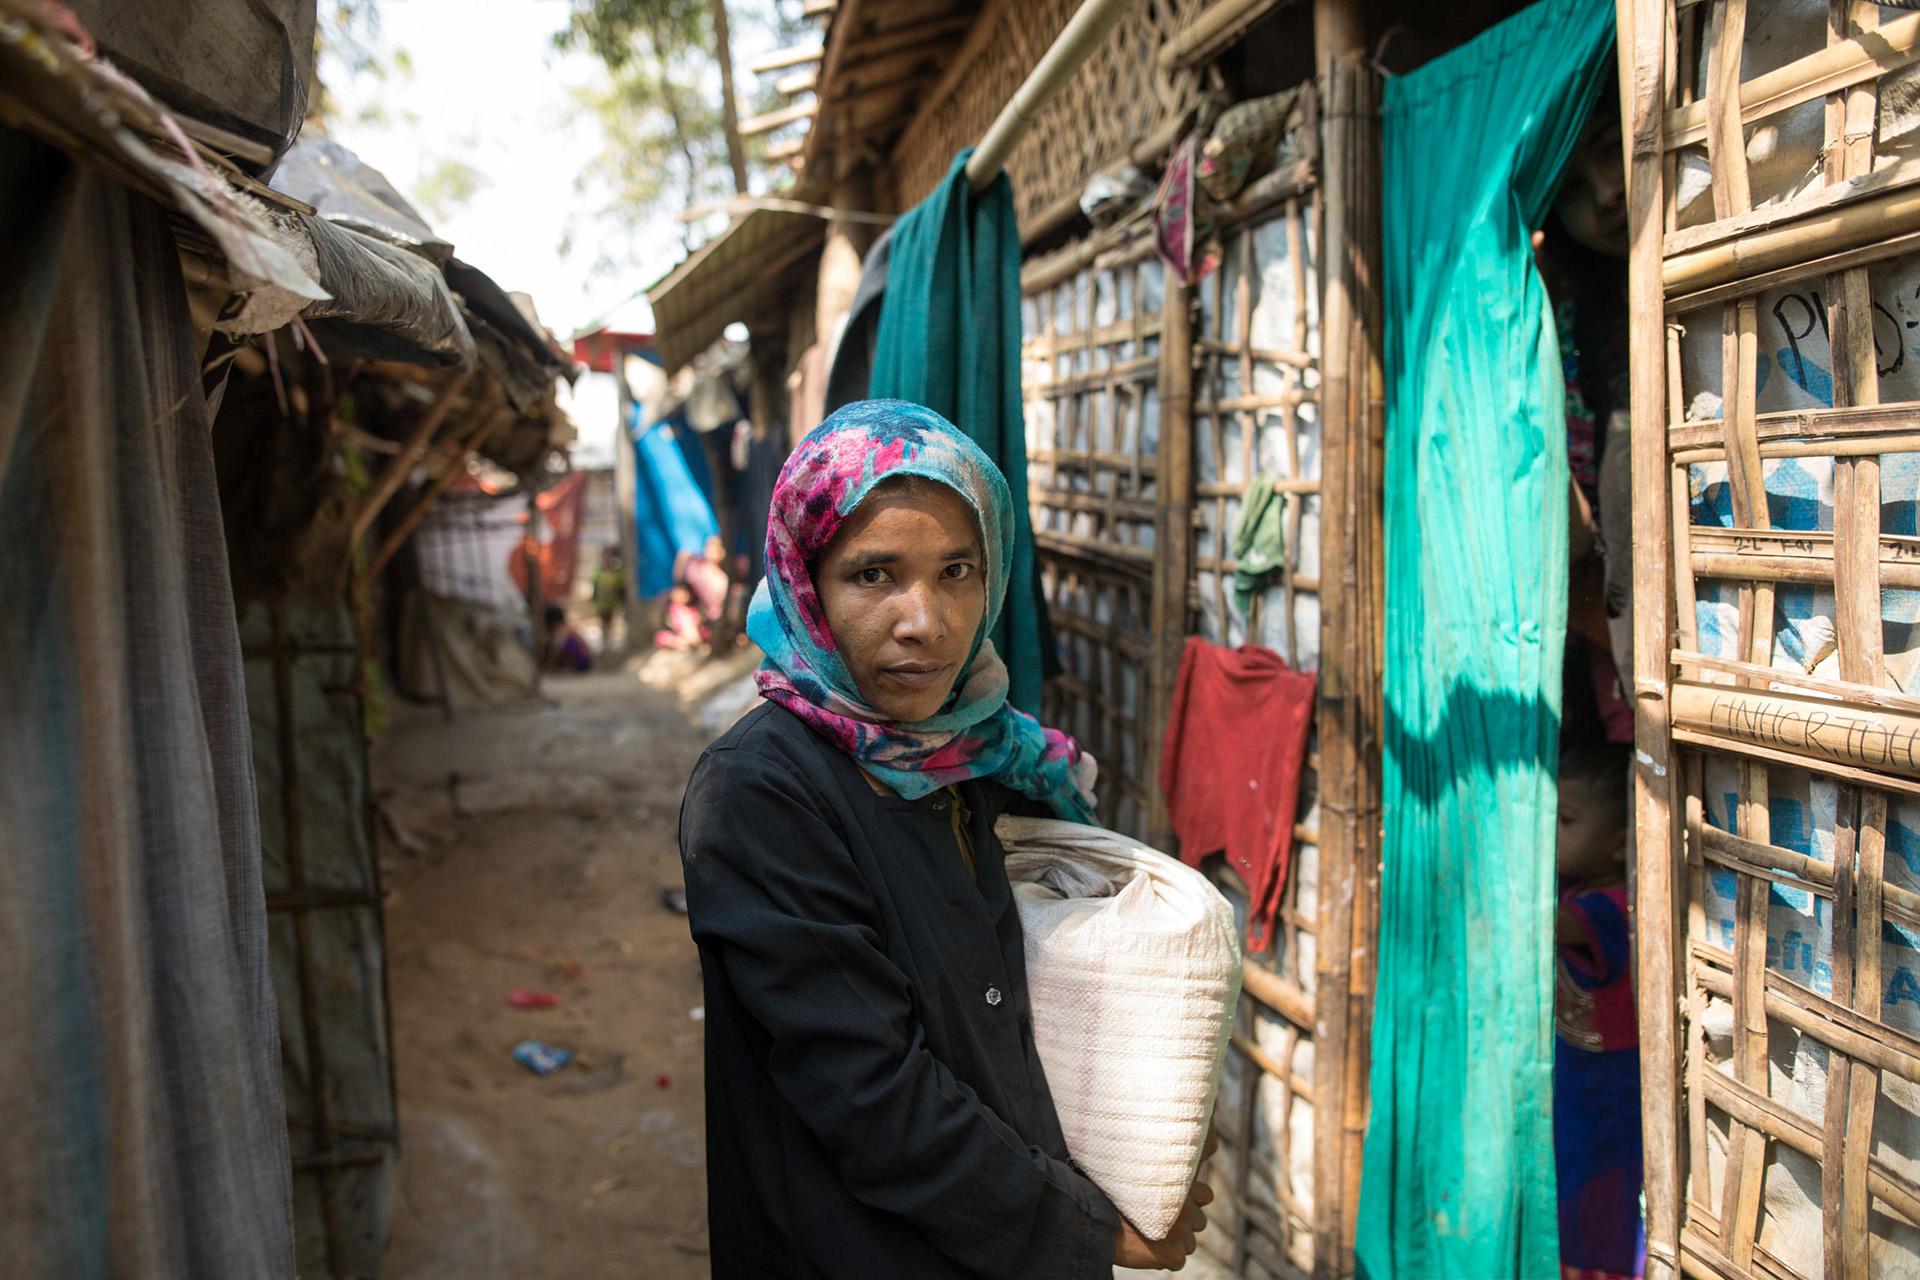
<point x="683" y="629"/>
<point x="1596" y="1053"/>
<point x="565" y="649"/>
<point x="875" y="1102"/>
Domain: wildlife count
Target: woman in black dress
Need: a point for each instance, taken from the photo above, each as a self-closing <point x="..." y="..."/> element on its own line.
<point x="875" y="1104"/>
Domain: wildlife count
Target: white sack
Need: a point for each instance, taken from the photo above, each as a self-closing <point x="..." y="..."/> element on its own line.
<point x="1133" y="965"/>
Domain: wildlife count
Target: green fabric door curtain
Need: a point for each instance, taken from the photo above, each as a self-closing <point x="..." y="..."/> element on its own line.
<point x="949" y="338"/>
<point x="1458" y="1178"/>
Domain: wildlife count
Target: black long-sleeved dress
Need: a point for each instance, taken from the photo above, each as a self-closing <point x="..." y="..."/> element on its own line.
<point x="875" y="1104"/>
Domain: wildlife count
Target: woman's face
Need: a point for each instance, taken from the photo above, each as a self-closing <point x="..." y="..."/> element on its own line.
<point x="904" y="593"/>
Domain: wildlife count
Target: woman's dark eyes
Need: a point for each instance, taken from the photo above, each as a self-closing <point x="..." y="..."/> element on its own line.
<point x="874" y="577"/>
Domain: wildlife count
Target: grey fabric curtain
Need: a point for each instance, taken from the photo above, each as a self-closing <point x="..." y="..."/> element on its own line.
<point x="139" y="1076"/>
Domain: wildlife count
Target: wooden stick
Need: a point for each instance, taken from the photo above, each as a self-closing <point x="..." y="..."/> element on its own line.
<point x="1275" y="1067"/>
<point x="1756" y="568"/>
<point x="1756" y="1111"/>
<point x="1868" y="1048"/>
<point x="1864" y="1085"/>
<point x="1642" y="57"/>
<point x="1833" y="447"/>
<point x="1836" y="67"/>
<point x="1902" y="173"/>
<point x="1795" y="760"/>
<point x="394" y="474"/>
<point x="1278" y="994"/>
<point x="791" y="56"/>
<point x="1173" y="530"/>
<point x="1840" y="690"/>
<point x="1854" y="234"/>
<point x="768" y="121"/>
<point x="1213" y="30"/>
<point x="456" y="466"/>
<point x="1084" y="33"/>
<point x="1881" y="421"/>
<point x="1726" y="144"/>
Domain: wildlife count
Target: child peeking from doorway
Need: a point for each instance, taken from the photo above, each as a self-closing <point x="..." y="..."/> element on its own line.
<point x="1596" y="1048"/>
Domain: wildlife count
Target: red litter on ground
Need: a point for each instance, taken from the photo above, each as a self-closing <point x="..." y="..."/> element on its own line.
<point x="662" y="1082"/>
<point x="523" y="998"/>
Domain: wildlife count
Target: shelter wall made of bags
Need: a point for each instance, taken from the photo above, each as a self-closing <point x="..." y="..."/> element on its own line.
<point x="1150" y="406"/>
<point x="1776" y="480"/>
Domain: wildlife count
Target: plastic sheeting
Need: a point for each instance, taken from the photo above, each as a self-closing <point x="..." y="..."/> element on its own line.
<point x="671" y="515"/>
<point x="307" y="713"/>
<point x="139" y="1070"/>
<point x="387" y="303"/>
<point x="350" y="193"/>
<point x="1459" y="1177"/>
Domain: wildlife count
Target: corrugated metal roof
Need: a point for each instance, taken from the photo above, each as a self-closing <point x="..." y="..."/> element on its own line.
<point x="731" y="277"/>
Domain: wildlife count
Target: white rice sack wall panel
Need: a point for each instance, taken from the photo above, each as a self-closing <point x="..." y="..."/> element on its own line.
<point x="1255" y="413"/>
<point x="1090" y="367"/>
<point x="1794" y="373"/>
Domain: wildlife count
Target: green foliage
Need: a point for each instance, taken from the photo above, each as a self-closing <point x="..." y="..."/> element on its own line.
<point x="660" y="107"/>
<point x="446" y="183"/>
<point x="346" y="39"/>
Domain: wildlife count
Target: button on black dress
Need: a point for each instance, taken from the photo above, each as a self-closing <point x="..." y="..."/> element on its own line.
<point x="875" y="1104"/>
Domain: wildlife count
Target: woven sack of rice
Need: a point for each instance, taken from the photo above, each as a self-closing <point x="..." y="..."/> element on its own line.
<point x="1133" y="966"/>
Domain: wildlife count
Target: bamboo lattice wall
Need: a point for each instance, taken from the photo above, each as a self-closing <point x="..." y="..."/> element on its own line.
<point x="1104" y="337"/>
<point x="1091" y="362"/>
<point x="1256" y="356"/>
<point x="1117" y="98"/>
<point x="1777" y="632"/>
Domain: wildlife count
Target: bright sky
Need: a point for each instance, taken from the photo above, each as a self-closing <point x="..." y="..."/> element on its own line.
<point x="488" y="89"/>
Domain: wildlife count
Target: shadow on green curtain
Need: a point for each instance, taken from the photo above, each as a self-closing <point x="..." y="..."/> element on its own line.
<point x="949" y="338"/>
<point x="1458" y="1178"/>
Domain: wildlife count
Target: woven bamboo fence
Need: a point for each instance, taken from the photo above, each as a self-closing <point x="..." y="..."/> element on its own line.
<point x="1149" y="408"/>
<point x="1116" y="99"/>
<point x="1775" y="188"/>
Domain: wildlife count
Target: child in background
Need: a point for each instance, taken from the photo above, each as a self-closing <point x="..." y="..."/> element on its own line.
<point x="1596" y="1053"/>
<point x="609" y="592"/>
<point x="684" y="630"/>
<point x="566" y="650"/>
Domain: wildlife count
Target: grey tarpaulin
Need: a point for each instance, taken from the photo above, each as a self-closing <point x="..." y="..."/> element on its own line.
<point x="139" y="1070"/>
<point x="387" y="303"/>
<point x="350" y="193"/>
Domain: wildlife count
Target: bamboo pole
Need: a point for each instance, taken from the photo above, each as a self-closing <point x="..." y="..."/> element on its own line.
<point x="1830" y="70"/>
<point x="1349" y="691"/>
<point x="1216" y="27"/>
<point x="1863" y="225"/>
<point x="1083" y="34"/>
<point x="771" y="120"/>
<point x="1173" y="533"/>
<point x="403" y="463"/>
<point x="1642" y="54"/>
<point x="780" y="59"/>
<point x="480" y="434"/>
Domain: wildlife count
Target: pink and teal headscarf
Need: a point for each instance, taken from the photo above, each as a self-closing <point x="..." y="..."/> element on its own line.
<point x="976" y="734"/>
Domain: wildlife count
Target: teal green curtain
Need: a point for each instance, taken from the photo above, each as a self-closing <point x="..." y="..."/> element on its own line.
<point x="949" y="338"/>
<point x="1458" y="1178"/>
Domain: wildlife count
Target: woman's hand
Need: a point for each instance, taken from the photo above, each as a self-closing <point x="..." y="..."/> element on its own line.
<point x="1170" y="1254"/>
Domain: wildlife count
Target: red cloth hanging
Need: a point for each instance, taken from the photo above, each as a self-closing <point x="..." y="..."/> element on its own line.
<point x="1236" y="742"/>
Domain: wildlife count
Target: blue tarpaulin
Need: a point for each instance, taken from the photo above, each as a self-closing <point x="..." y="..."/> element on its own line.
<point x="670" y="512"/>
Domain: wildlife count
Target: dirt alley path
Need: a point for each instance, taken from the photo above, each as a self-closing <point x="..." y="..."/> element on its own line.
<point x="541" y="838"/>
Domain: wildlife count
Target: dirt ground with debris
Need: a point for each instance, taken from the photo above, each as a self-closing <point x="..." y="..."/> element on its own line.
<point x="528" y="847"/>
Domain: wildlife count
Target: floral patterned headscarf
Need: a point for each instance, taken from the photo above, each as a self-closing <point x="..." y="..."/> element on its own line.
<point x="975" y="734"/>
